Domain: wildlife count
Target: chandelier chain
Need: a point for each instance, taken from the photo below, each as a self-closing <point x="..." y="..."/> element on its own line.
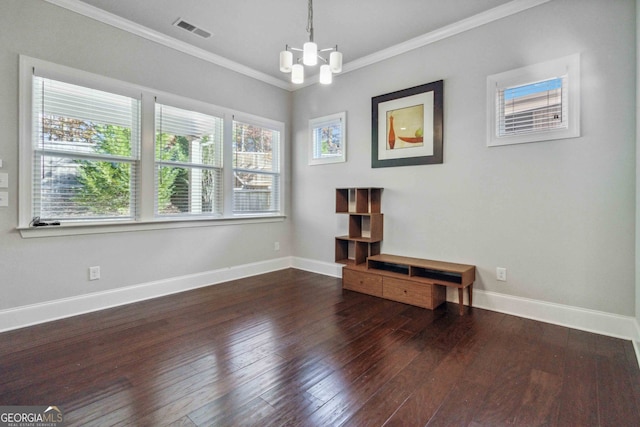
<point x="310" y="20"/>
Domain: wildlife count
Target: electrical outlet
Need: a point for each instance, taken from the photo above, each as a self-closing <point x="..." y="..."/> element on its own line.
<point x="94" y="273"/>
<point x="4" y="198"/>
<point x="501" y="274"/>
<point x="276" y="246"/>
<point x="4" y="180"/>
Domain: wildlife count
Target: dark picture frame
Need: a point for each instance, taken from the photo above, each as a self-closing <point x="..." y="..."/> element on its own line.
<point x="407" y="126"/>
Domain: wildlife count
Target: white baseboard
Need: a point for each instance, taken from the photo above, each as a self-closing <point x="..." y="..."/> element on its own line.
<point x="599" y="322"/>
<point x="320" y="267"/>
<point x="29" y="315"/>
<point x="613" y="325"/>
<point x="636" y="342"/>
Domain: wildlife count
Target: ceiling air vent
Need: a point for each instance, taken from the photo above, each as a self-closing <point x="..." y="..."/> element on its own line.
<point x="192" y="28"/>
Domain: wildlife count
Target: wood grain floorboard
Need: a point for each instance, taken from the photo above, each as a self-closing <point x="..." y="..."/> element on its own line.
<point x="291" y="348"/>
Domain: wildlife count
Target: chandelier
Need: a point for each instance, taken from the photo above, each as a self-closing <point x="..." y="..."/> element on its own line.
<point x="310" y="57"/>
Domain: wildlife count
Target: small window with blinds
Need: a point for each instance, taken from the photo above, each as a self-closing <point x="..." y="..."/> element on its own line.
<point x="535" y="103"/>
<point x="86" y="152"/>
<point x="256" y="168"/>
<point x="188" y="163"/>
<point x="533" y="107"/>
<point x="327" y="139"/>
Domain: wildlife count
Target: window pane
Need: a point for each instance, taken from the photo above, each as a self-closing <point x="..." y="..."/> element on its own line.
<point x="253" y="147"/>
<point x="327" y="140"/>
<point x="188" y="136"/>
<point x="255" y="192"/>
<point x="83" y="120"/>
<point x="68" y="188"/>
<point x="532" y="107"/>
<point x="255" y="168"/>
<point x="77" y="131"/>
<point x="187" y="190"/>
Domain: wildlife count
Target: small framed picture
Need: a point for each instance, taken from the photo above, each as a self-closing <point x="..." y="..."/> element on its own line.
<point x="407" y="126"/>
<point x="328" y="139"/>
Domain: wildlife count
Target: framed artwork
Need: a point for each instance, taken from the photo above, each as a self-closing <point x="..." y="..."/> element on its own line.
<point x="406" y="126"/>
<point x="328" y="139"/>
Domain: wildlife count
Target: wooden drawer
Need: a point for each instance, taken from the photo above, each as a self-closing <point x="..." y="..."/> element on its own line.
<point x="362" y="282"/>
<point x="418" y="294"/>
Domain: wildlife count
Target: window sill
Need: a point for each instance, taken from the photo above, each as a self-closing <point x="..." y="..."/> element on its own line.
<point x="128" y="226"/>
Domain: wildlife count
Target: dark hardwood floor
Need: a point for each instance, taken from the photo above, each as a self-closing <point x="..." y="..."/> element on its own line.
<point x="292" y="348"/>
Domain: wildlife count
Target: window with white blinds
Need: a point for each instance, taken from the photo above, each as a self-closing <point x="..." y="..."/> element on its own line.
<point x="188" y="172"/>
<point x="539" y="102"/>
<point x="95" y="150"/>
<point x="86" y="146"/>
<point x="533" y="107"/>
<point x="256" y="168"/>
<point x="327" y="139"/>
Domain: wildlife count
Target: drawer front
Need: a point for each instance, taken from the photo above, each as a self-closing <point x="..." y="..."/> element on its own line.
<point x="418" y="294"/>
<point x="362" y="282"/>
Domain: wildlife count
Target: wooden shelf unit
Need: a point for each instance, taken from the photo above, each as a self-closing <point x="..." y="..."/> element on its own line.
<point x="366" y="229"/>
<point x="358" y="200"/>
<point x="414" y="281"/>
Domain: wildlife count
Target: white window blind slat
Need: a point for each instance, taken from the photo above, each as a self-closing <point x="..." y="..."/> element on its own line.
<point x="85" y="150"/>
<point x="532" y="107"/>
<point x="188" y="172"/>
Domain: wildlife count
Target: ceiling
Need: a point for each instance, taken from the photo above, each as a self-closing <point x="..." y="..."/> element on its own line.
<point x="247" y="35"/>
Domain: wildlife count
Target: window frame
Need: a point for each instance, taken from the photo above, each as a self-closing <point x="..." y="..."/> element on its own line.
<point x="314" y="148"/>
<point x="146" y="217"/>
<point x="567" y="67"/>
<point x="201" y="108"/>
<point x="277" y="156"/>
<point x="39" y="152"/>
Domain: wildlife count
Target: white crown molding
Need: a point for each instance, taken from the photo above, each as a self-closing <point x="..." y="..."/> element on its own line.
<point x="499" y="12"/>
<point x="155" y="36"/>
<point x="447" y="31"/>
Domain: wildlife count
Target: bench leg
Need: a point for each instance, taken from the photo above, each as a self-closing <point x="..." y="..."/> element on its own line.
<point x="470" y="294"/>
<point x="461" y="300"/>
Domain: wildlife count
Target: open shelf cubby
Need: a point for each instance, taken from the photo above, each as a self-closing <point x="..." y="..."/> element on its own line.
<point x="365" y="224"/>
<point x="358" y="200"/>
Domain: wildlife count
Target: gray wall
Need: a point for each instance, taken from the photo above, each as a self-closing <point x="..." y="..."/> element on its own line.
<point x="637" y="166"/>
<point x="43" y="269"/>
<point x="559" y="215"/>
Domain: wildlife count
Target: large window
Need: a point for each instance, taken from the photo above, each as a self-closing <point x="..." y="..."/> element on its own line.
<point x="85" y="146"/>
<point x="188" y="162"/>
<point x="535" y="103"/>
<point x="96" y="150"/>
<point x="256" y="168"/>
